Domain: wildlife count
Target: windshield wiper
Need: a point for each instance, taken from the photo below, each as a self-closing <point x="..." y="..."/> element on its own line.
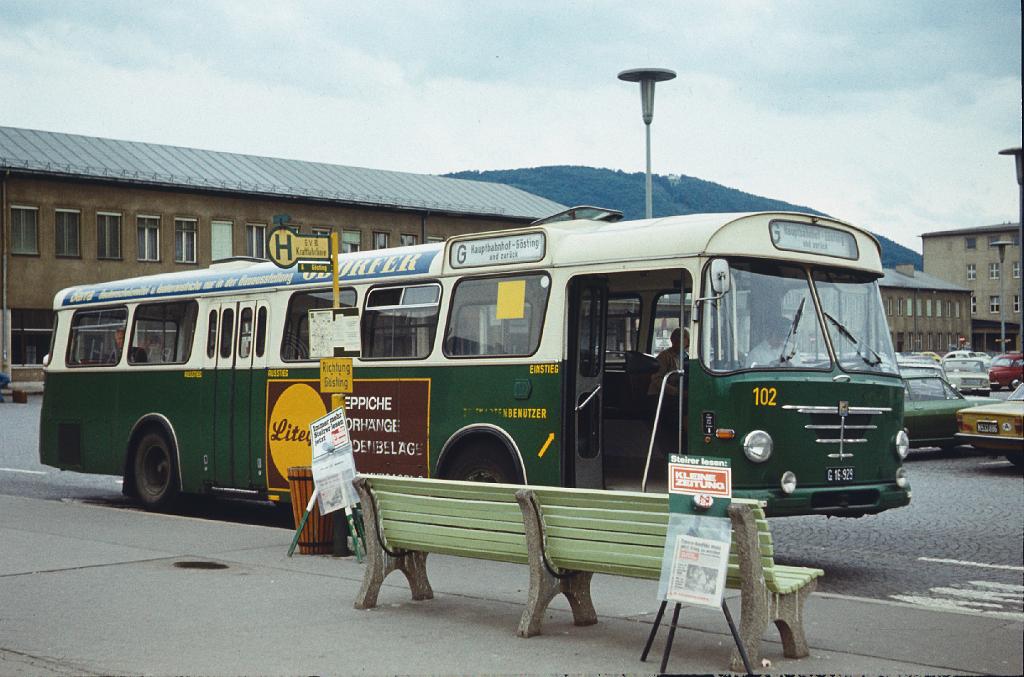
<point x="846" y="333"/>
<point x="783" y="357"/>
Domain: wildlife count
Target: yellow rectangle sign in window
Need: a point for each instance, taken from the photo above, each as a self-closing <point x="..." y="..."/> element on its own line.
<point x="336" y="375"/>
<point x="511" y="300"/>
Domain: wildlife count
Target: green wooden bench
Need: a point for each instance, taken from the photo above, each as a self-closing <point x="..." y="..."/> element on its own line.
<point x="565" y="536"/>
<point x="574" y="533"/>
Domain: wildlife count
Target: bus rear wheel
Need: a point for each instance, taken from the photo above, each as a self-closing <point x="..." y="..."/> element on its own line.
<point x="483" y="463"/>
<point x="156" y="478"/>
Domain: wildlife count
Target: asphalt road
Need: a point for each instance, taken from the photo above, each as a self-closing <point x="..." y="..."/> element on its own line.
<point x="959" y="545"/>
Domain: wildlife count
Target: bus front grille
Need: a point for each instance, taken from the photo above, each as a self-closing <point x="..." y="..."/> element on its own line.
<point x="832" y="429"/>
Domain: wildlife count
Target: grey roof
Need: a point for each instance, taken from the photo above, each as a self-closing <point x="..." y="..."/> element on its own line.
<point x="894" y="278"/>
<point x="90" y="157"/>
<point x="997" y="228"/>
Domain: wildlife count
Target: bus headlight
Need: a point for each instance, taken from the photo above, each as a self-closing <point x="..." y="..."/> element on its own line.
<point x="788" y="482"/>
<point x="757" y="445"/>
<point x="902" y="444"/>
<point x="901" y="477"/>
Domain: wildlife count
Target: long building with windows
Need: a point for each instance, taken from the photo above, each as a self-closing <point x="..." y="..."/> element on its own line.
<point x="971" y="257"/>
<point x="925" y="312"/>
<point x="81" y="210"/>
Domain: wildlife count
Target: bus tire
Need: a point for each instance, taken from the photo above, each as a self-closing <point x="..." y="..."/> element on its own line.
<point x="483" y="462"/>
<point x="156" y="477"/>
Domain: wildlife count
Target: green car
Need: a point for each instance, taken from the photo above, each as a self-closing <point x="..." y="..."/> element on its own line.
<point x="929" y="411"/>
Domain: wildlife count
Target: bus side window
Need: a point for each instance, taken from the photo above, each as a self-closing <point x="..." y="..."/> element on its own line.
<point x="295" y="341"/>
<point x="97" y="337"/>
<point x="401" y="322"/>
<point x="162" y="333"/>
<point x="211" y="335"/>
<point x="245" y="333"/>
<point x="261" y="331"/>
<point x="497" y="316"/>
<point x="227" y="332"/>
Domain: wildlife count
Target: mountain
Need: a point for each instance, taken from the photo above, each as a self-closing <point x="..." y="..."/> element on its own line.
<point x="672" y="194"/>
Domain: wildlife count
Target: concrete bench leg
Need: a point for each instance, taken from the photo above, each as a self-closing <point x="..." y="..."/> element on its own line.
<point x="787" y="611"/>
<point x="379" y="563"/>
<point x="544" y="585"/>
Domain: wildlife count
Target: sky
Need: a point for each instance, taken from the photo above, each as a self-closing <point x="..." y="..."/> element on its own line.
<point x="888" y="114"/>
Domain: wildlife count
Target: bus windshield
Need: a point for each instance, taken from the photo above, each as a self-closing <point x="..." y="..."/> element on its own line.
<point x="767" y="320"/>
<point x="853" y="313"/>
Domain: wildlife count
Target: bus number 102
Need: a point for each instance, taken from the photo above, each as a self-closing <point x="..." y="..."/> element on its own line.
<point x="765" y="397"/>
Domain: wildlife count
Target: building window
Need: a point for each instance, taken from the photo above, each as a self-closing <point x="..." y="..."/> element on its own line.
<point x="910" y="307"/>
<point x="1016" y="303"/>
<point x="1016" y="270"/>
<point x="970" y="243"/>
<point x="185" y="240"/>
<point x="919" y="314"/>
<point x="31" y="331"/>
<point x="899" y="307"/>
<point x="972" y="271"/>
<point x="66" y="224"/>
<point x="928" y="309"/>
<point x="221" y="236"/>
<point x="974" y="305"/>
<point x="956" y="308"/>
<point x="993" y="270"/>
<point x="434" y="238"/>
<point x="322" y="232"/>
<point x="381" y="240"/>
<point x="408" y="240"/>
<point x="108" y="235"/>
<point x="24" y="230"/>
<point x="993" y="304"/>
<point x="992" y="239"/>
<point x="938" y="308"/>
<point x="256" y="240"/>
<point x="351" y="241"/>
<point x="148" y="237"/>
<point x="888" y="306"/>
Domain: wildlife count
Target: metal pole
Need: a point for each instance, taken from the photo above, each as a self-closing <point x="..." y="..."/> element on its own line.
<point x="648" y="205"/>
<point x="1002" y="321"/>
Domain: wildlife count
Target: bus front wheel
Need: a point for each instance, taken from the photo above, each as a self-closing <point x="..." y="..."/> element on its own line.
<point x="156" y="478"/>
<point x="483" y="463"/>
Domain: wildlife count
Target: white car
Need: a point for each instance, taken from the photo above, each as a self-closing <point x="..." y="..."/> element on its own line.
<point x="968" y="375"/>
<point x="968" y="354"/>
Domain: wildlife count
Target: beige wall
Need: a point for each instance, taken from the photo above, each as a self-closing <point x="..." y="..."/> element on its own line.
<point x="33" y="280"/>
<point x="924" y="331"/>
<point x="947" y="257"/>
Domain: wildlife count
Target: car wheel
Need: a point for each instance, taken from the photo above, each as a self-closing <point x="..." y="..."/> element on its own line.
<point x="156" y="476"/>
<point x="1016" y="459"/>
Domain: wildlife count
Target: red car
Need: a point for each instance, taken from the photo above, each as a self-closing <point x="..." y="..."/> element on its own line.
<point x="1006" y="371"/>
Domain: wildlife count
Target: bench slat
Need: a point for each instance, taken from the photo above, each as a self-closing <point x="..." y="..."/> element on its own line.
<point x="446" y="488"/>
<point x="448" y="540"/>
<point x="429" y="505"/>
<point x="458" y="521"/>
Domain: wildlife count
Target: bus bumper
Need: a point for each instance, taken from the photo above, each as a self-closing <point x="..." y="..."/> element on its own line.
<point x="846" y="501"/>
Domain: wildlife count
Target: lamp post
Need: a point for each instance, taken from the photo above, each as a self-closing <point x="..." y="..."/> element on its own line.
<point x="647" y="77"/>
<point x="1001" y="244"/>
<point x="1019" y="157"/>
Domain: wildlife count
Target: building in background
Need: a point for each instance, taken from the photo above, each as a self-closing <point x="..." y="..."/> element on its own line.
<point x="78" y="210"/>
<point x="968" y="257"/>
<point x="925" y="312"/>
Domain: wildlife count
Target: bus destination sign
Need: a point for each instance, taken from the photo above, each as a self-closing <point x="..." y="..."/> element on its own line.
<point x="813" y="239"/>
<point x="498" y="251"/>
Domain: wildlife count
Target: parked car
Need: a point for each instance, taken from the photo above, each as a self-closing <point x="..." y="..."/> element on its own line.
<point x="996" y="427"/>
<point x="967" y="375"/>
<point x="1006" y="371"/>
<point x="929" y="411"/>
<point x="968" y="354"/>
<point x="929" y="355"/>
<point x="920" y="368"/>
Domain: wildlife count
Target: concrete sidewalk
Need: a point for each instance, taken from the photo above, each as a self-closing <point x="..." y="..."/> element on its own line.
<point x="94" y="590"/>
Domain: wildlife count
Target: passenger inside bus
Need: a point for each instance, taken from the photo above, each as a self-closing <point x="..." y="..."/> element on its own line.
<point x="771" y="350"/>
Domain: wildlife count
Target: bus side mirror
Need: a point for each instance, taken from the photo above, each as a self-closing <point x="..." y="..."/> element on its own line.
<point x="720" y="276"/>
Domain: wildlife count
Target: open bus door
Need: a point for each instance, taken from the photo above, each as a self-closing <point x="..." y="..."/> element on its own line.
<point x="588" y="314"/>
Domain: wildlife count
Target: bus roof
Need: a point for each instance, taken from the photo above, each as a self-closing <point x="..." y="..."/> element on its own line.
<point x="564" y="243"/>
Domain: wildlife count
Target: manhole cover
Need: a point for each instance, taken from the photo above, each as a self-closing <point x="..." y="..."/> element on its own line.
<point x="200" y="565"/>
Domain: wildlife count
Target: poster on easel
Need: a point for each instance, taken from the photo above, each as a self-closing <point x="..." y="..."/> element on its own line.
<point x="699" y="536"/>
<point x="334" y="467"/>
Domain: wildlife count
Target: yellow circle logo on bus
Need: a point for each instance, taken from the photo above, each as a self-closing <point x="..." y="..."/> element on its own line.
<point x="288" y="428"/>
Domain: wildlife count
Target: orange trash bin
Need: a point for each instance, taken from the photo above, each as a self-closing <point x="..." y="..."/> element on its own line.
<point x="317" y="536"/>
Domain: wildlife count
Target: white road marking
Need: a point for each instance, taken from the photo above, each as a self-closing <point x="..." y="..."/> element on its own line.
<point x="27" y="472"/>
<point x="943" y="604"/>
<point x="995" y="463"/>
<point x="1007" y="567"/>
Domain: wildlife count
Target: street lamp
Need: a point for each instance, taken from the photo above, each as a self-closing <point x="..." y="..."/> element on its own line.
<point x="647" y="77"/>
<point x="1002" y="245"/>
<point x="1019" y="156"/>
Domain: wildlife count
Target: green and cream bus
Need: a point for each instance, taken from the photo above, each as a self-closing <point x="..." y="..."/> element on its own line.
<point x="514" y="356"/>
